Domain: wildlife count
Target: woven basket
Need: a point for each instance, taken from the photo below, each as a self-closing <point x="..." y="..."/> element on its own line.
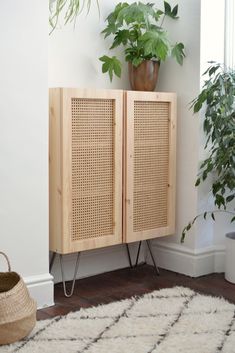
<point x="17" y="309"/>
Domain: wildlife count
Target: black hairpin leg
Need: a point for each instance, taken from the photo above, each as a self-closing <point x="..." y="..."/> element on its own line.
<point x="52" y="261"/>
<point x="129" y="256"/>
<point x="138" y="254"/>
<point x="152" y="257"/>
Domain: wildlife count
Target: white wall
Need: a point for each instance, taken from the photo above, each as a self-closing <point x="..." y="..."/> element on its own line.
<point x="24" y="142"/>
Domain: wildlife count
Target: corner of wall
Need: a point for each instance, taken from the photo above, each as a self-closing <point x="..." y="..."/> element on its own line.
<point x="41" y="288"/>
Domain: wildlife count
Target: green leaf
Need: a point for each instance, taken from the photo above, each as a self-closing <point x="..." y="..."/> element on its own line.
<point x="206" y="125"/>
<point x="233" y="219"/>
<point x="158" y="14"/>
<point x="219" y="200"/>
<point x="155" y="44"/>
<point x="136" y="12"/>
<point x="170" y="13"/>
<point x="197" y="182"/>
<point x="174" y="12"/>
<point x="110" y="29"/>
<point x="111" y="65"/>
<point x="229" y="198"/>
<point x="113" y="16"/>
<point x="182" y="237"/>
<point x="105" y="67"/>
<point x="121" y="37"/>
<point x="216" y="187"/>
<point x="197" y="106"/>
<point x="209" y="167"/>
<point x="104" y="58"/>
<point x="117" y="68"/>
<point x="167" y="8"/>
<point x="178" y="53"/>
<point x="134" y="54"/>
<point x="213" y="69"/>
<point x="189" y="226"/>
<point x="137" y="61"/>
<point x="204" y="175"/>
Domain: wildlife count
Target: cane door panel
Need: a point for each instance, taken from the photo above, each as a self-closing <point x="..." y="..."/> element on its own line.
<point x="90" y="167"/>
<point x="150" y="130"/>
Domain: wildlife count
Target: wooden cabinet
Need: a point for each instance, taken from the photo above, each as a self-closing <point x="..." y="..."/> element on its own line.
<point x="112" y="167"/>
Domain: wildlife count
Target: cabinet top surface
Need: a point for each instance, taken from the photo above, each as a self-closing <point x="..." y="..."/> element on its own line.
<point x="99" y="92"/>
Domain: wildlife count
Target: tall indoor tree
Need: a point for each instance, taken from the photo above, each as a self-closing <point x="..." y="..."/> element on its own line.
<point x="218" y="99"/>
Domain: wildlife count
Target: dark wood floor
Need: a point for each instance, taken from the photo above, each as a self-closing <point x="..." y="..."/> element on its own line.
<point x="125" y="283"/>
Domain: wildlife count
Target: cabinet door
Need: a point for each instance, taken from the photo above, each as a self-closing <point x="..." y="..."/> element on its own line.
<point x="150" y="155"/>
<point x="91" y="153"/>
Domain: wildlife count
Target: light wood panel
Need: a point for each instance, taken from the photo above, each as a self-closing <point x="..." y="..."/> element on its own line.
<point x="150" y="125"/>
<point x="55" y="170"/>
<point x="90" y="165"/>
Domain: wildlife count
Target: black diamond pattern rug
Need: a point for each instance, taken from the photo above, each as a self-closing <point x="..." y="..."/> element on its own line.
<point x="175" y="320"/>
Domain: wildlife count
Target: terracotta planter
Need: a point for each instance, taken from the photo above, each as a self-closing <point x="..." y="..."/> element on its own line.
<point x="144" y="77"/>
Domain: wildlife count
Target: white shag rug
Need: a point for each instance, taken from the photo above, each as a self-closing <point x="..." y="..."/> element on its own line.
<point x="175" y="320"/>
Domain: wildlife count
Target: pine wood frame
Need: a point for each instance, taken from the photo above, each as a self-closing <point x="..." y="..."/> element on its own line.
<point x="130" y="98"/>
<point x="60" y="170"/>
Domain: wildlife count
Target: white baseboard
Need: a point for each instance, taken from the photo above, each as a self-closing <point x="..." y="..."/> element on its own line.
<point x="95" y="262"/>
<point x="41" y="288"/>
<point x="170" y="256"/>
<point x="193" y="263"/>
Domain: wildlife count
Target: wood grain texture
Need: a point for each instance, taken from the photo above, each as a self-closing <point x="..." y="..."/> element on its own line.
<point x="150" y="165"/>
<point x="55" y="170"/>
<point x="90" y="161"/>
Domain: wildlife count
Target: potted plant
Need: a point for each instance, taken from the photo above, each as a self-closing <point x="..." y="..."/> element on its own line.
<point x="138" y="28"/>
<point x="218" y="94"/>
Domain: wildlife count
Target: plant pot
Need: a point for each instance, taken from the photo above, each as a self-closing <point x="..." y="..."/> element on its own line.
<point x="229" y="257"/>
<point x="144" y="77"/>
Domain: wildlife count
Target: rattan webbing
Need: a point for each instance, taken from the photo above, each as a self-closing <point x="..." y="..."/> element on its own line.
<point x="92" y="168"/>
<point x="151" y="158"/>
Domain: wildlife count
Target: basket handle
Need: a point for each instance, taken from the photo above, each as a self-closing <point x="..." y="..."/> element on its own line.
<point x="7" y="260"/>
